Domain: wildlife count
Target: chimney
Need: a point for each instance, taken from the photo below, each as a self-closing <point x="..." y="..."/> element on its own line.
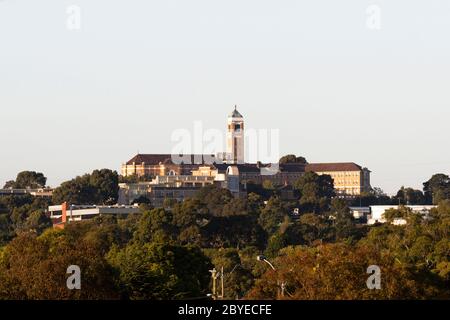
<point x="64" y="212"/>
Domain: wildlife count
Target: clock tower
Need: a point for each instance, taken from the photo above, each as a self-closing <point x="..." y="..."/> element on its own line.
<point x="235" y="138"/>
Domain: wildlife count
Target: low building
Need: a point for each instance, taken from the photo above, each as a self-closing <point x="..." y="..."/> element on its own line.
<point x="161" y="187"/>
<point x="42" y="192"/>
<point x="349" y="178"/>
<point x="257" y="173"/>
<point x="360" y="212"/>
<point x="65" y="213"/>
<point x="377" y="213"/>
<point x="155" y="194"/>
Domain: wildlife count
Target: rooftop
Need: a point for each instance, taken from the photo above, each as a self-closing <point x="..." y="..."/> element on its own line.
<point x="235" y="113"/>
<point x="155" y="159"/>
<point x="330" y="167"/>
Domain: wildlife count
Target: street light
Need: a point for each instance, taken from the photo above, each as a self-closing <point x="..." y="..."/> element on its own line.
<point x="283" y="284"/>
<point x="264" y="259"/>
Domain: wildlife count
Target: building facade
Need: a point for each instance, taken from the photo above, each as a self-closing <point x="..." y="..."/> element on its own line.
<point x="349" y="178"/>
<point x="152" y="165"/>
<point x="65" y="213"/>
<point x="191" y="172"/>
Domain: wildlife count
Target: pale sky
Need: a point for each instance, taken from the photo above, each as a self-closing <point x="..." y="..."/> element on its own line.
<point x="72" y="101"/>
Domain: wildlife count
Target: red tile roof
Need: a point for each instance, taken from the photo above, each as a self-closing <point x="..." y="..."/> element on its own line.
<point x="155" y="159"/>
<point x="328" y="167"/>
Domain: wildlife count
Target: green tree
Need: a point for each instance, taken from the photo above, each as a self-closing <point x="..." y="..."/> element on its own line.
<point x="27" y="180"/>
<point x="437" y="188"/>
<point x="38" y="221"/>
<point x="292" y="158"/>
<point x="160" y="271"/>
<point x="214" y="198"/>
<point x="100" y="187"/>
<point x="375" y="196"/>
<point x="409" y="196"/>
<point x="339" y="272"/>
<point x="35" y="268"/>
<point x="268" y="185"/>
<point x="238" y="277"/>
<point x="9" y="184"/>
<point x="272" y="215"/>
<point x="316" y="192"/>
<point x="343" y="223"/>
<point x="155" y="225"/>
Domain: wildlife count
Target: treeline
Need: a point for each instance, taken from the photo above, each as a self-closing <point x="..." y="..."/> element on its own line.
<point x="166" y="253"/>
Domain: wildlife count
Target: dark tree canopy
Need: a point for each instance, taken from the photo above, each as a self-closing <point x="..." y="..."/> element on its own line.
<point x="409" y="196"/>
<point x="99" y="187"/>
<point x="292" y="158"/>
<point x="160" y="271"/>
<point x="27" y="180"/>
<point x="316" y="191"/>
<point x="437" y="188"/>
<point x="320" y="251"/>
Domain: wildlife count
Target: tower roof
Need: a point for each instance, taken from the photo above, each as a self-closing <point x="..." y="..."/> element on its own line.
<point x="235" y="113"/>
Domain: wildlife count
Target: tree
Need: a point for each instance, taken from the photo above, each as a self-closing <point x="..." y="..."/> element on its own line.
<point x="99" y="187"/>
<point x="437" y="188"/>
<point x="401" y="213"/>
<point x="238" y="277"/>
<point x="35" y="268"/>
<point x="155" y="225"/>
<point x="106" y="184"/>
<point x="343" y="222"/>
<point x="160" y="271"/>
<point x="313" y="228"/>
<point x="316" y="191"/>
<point x="339" y="271"/>
<point x="214" y="198"/>
<point x="272" y="215"/>
<point x="254" y="203"/>
<point x="268" y="185"/>
<point x="233" y="231"/>
<point x="9" y="184"/>
<point x="27" y="180"/>
<point x="376" y="196"/>
<point x="6" y="229"/>
<point x="291" y="158"/>
<point x="409" y="196"/>
<point x="38" y="221"/>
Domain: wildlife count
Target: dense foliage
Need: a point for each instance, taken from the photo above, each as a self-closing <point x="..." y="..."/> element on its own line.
<point x="319" y="251"/>
<point x="99" y="187"/>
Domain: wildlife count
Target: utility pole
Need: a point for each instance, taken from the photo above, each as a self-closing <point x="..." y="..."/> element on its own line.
<point x="214" y="278"/>
<point x="222" y="284"/>
<point x="281" y="286"/>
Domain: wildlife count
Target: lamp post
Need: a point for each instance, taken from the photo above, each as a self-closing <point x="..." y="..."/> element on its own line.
<point x="214" y="276"/>
<point x="283" y="284"/>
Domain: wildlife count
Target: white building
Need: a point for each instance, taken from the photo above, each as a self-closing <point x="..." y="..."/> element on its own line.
<point x="377" y="213"/>
<point x="360" y="212"/>
<point x="64" y="213"/>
